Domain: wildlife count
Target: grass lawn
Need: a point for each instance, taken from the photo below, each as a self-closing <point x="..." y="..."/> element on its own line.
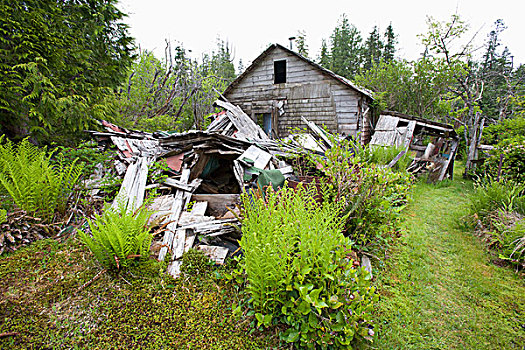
<point x="440" y="289"/>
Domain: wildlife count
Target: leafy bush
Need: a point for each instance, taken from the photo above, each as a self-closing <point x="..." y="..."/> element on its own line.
<point x="513" y="162"/>
<point x="33" y="181"/>
<point x="298" y="272"/>
<point x="507" y="129"/>
<point x="372" y="196"/>
<point x="118" y="237"/>
<point x="89" y="155"/>
<point x="3" y="215"/>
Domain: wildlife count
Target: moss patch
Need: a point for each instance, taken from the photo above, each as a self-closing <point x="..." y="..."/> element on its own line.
<point x="45" y="300"/>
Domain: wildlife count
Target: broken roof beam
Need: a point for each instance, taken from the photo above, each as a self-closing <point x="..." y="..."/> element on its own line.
<point x="318" y="131"/>
<point x="242" y="122"/>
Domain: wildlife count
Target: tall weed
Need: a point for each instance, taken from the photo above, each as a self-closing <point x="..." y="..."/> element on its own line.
<point x="491" y="195"/>
<point x="383" y="155"/>
<point x="35" y="183"/>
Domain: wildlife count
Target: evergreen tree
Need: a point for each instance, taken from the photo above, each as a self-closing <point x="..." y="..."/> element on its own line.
<point x="324" y="57"/>
<point x="372" y="49"/>
<point x="496" y="71"/>
<point x="390" y="44"/>
<point x="302" y="47"/>
<point x="345" y="51"/>
<point x="59" y="60"/>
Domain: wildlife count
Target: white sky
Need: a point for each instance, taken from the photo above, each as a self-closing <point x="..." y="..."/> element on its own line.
<point x="250" y="27"/>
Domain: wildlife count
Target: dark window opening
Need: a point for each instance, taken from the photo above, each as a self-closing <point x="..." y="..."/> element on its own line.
<point x="279" y="72"/>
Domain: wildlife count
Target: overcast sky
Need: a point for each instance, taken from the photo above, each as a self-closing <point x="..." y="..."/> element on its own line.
<point x="250" y="26"/>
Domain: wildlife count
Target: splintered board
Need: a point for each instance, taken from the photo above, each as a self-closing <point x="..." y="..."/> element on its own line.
<point x="215" y="253"/>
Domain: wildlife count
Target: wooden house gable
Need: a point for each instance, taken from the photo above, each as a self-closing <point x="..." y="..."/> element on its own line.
<point x="306" y="89"/>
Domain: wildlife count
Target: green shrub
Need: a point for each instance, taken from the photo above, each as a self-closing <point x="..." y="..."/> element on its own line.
<point x="372" y="196"/>
<point x="33" y="181"/>
<point x="507" y="129"/>
<point x="89" y="155"/>
<point x="298" y="272"/>
<point x="117" y="237"/>
<point x="491" y="195"/>
<point x="3" y="215"/>
<point x="513" y="162"/>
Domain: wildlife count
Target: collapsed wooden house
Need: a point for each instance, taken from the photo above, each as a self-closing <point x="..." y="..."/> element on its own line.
<point x="281" y="86"/>
<point x="208" y="168"/>
<point x="433" y="144"/>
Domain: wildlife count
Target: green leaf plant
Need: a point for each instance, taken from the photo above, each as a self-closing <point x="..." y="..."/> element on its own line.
<point x="299" y="273"/>
<point x="34" y="182"/>
<point x="117" y="237"/>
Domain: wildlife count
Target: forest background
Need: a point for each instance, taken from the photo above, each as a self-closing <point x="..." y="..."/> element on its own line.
<point x="63" y="67"/>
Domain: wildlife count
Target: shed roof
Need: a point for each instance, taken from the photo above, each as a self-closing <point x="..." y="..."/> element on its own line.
<point x="423" y="121"/>
<point x="323" y="70"/>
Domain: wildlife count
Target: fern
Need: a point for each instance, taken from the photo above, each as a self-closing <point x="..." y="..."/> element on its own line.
<point x="35" y="183"/>
<point x="118" y="236"/>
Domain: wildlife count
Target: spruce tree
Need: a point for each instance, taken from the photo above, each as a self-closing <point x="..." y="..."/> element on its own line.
<point x="302" y="47"/>
<point x="372" y="49"/>
<point x="324" y="57"/>
<point x="346" y="49"/>
<point x="390" y="44"/>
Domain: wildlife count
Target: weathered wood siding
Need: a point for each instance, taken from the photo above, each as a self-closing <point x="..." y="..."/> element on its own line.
<point x="307" y="92"/>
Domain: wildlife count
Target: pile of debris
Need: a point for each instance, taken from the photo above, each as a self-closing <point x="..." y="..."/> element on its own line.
<point x="208" y="172"/>
<point x="434" y="144"/>
<point x="18" y="228"/>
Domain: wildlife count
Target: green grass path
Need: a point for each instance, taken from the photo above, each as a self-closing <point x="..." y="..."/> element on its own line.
<point x="439" y="289"/>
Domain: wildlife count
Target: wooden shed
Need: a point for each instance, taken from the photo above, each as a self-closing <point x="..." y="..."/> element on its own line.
<point x="281" y="86"/>
<point x="434" y="145"/>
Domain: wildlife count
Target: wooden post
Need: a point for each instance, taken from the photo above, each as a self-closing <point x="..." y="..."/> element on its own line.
<point x="473" y="145"/>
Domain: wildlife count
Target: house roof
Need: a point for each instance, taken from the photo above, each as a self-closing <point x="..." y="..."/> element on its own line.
<point x="422" y="121"/>
<point x="323" y="70"/>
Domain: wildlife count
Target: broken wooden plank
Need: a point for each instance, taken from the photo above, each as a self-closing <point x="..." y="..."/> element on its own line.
<point x="215" y="253"/>
<point x="450" y="160"/>
<point x="199" y="208"/>
<point x="176" y="210"/>
<point x="320" y="132"/>
<point x="209" y="225"/>
<point x="131" y="193"/>
<point x="409" y="133"/>
<point x="218" y="203"/>
<point x="396" y="159"/>
<point x="260" y="158"/>
<point x="178" y="184"/>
